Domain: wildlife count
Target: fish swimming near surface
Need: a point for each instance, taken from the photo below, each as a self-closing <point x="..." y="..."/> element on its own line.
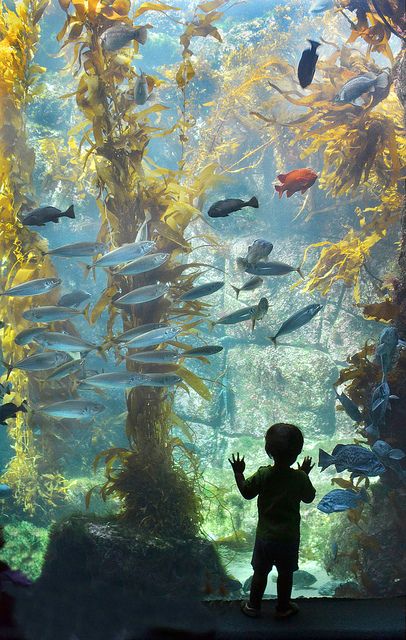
<point x="10" y="409"/>
<point x="159" y="356"/>
<point x="77" y="250"/>
<point x="39" y="362"/>
<point x="272" y="269"/>
<point x="349" y="407"/>
<point x="202" y="290"/>
<point x="74" y="298"/>
<point x="39" y="217"/>
<point x="341" y="500"/>
<point x="141" y="93"/>
<point x="116" y="380"/>
<point x="33" y="287"/>
<point x="205" y="350"/>
<point x="74" y="409"/>
<point x="258" y="250"/>
<point x="296" y="180"/>
<point x="359" y="460"/>
<point x="57" y="341"/>
<point x="27" y="335"/>
<point x="299" y="319"/>
<point x="144" y="264"/>
<point x="307" y="64"/>
<point x="250" y="285"/>
<point x="253" y="313"/>
<point x="223" y="208"/>
<point x="135" y="332"/>
<point x="142" y="295"/>
<point x="125" y="253"/>
<point x="352" y="90"/>
<point x="320" y="6"/>
<point x="120" y="35"/>
<point x="51" y="314"/>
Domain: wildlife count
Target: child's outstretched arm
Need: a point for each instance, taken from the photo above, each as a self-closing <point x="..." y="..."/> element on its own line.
<point x="238" y="465"/>
<point x="309" y="492"/>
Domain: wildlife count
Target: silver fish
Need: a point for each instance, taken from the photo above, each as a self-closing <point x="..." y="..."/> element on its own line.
<point x="129" y="335"/>
<point x="120" y="35"/>
<point x="65" y="370"/>
<point x="74" y="409"/>
<point x="143" y="294"/>
<point x="158" y="356"/>
<point x="40" y="361"/>
<point x="50" y="314"/>
<point x="160" y="380"/>
<point x="77" y="250"/>
<point x="63" y="341"/>
<point x="141" y="93"/>
<point x="39" y="217"/>
<point x="144" y="264"/>
<point x="125" y="253"/>
<point x="352" y="90"/>
<point x="33" y="287"/>
<point x="250" y="285"/>
<point x="156" y="336"/>
<point x="202" y="290"/>
<point x="254" y="313"/>
<point x="74" y="298"/>
<point x="142" y="234"/>
<point x="297" y="320"/>
<point x="118" y="380"/>
<point x="27" y="335"/>
<point x="205" y="350"/>
<point x="272" y="269"/>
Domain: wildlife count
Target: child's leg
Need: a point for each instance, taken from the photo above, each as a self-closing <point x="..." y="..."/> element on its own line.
<point x="258" y="587"/>
<point x="284" y="588"/>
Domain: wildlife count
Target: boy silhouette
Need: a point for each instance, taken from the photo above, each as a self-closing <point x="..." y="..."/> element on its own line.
<point x="280" y="490"/>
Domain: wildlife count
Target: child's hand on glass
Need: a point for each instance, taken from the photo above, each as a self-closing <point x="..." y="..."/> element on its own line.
<point x="237" y="463"/>
<point x="306" y="465"/>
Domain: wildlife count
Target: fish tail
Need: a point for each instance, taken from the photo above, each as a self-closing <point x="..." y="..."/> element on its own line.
<point x="23" y="406"/>
<point x="252" y="203"/>
<point x="8" y="366"/>
<point x="314" y="44"/>
<point x="279" y="189"/>
<point x="102" y="351"/>
<point x="44" y="253"/>
<point x="253" y="324"/>
<point x="300" y="272"/>
<point x="141" y="34"/>
<point x="273" y="338"/>
<point x="382" y="80"/>
<point x="69" y="213"/>
<point x="325" y="459"/>
<point x="237" y="290"/>
<point x="86" y="312"/>
<point x="86" y="268"/>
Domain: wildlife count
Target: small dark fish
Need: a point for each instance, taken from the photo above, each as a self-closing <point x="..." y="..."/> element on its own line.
<point x="307" y="64"/>
<point x="9" y="410"/>
<point x="202" y="290"/>
<point x="223" y="208"/>
<point x="39" y="217"/>
<point x="352" y="457"/>
<point x="120" y="35"/>
<point x="74" y="298"/>
<point x="250" y="285"/>
<point x="349" y="406"/>
<point x="141" y="93"/>
<point x="341" y="500"/>
<point x="206" y="350"/>
<point x="272" y="269"/>
<point x="299" y="319"/>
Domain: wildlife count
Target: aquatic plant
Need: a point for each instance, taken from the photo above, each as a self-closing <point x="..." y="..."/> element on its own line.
<point x="133" y="190"/>
<point x="21" y="248"/>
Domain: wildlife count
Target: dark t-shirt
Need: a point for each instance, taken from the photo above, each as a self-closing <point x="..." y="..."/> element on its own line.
<point x="279" y="491"/>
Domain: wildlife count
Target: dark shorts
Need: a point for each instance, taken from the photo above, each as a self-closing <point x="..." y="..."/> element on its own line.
<point x="268" y="553"/>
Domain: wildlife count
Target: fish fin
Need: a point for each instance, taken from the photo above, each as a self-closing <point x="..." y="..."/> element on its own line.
<point x="392" y="397"/>
<point x="300" y="272"/>
<point x="279" y="189"/>
<point x="23" y="406"/>
<point x="102" y="351"/>
<point x="314" y="44"/>
<point x="236" y="289"/>
<point x="8" y="366"/>
<point x="86" y="312"/>
<point x="273" y="338"/>
<point x="44" y="253"/>
<point x="69" y="213"/>
<point x="325" y="459"/>
<point x="86" y="268"/>
<point x="55" y="221"/>
<point x="141" y="34"/>
<point x="289" y="194"/>
<point x="382" y="80"/>
<point x="303" y="190"/>
<point x="252" y="203"/>
<point x="358" y="102"/>
<point x="242" y="264"/>
<point x="253" y="324"/>
<point x="282" y="177"/>
<point x="340" y="467"/>
<point x="337" y="448"/>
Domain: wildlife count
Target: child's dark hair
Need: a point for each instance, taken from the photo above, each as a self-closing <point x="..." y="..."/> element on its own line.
<point x="283" y="442"/>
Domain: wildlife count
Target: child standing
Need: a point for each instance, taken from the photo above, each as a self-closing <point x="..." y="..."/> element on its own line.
<point x="280" y="490"/>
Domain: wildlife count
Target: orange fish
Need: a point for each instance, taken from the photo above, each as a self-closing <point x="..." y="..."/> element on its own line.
<point x="296" y="180"/>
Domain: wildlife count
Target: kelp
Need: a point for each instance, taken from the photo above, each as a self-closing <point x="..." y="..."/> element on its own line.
<point x="131" y="188"/>
<point x="35" y="480"/>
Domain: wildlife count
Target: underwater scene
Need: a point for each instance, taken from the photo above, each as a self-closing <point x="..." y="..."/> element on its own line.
<point x="202" y="234"/>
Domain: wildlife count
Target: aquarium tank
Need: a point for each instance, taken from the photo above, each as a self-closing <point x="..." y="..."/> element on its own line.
<point x="202" y="234"/>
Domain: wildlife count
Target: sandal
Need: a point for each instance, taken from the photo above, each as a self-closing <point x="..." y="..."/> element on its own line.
<point x="250" y="611"/>
<point x="286" y="613"/>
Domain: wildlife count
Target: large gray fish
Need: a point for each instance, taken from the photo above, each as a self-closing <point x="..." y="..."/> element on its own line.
<point x="144" y="264"/>
<point x="359" y="460"/>
<point x="27" y="335"/>
<point x="250" y="285"/>
<point x="299" y="319"/>
<point x="341" y="500"/>
<point x="65" y="370"/>
<point x="390" y="457"/>
<point x="64" y="341"/>
<point x="50" y="314"/>
<point x="387" y="349"/>
<point x="74" y="298"/>
<point x="120" y="35"/>
<point x="352" y="90"/>
<point x="127" y="336"/>
<point x="73" y="409"/>
<point x="223" y="208"/>
<point x="142" y="295"/>
<point x="159" y="380"/>
<point x="39" y="362"/>
<point x="39" y="217"/>
<point x="160" y="356"/>
<point x="125" y="253"/>
<point x="271" y="269"/>
<point x="202" y="290"/>
<point x="141" y="93"/>
<point x="349" y="406"/>
<point x="77" y="250"/>
<point x="154" y="337"/>
<point x="254" y="313"/>
<point x="117" y="380"/>
<point x="33" y="287"/>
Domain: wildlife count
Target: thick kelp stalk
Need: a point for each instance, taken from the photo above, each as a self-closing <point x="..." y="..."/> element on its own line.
<point x="32" y="481"/>
<point x="133" y="192"/>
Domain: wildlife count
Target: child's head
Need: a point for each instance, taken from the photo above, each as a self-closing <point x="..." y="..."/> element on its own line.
<point x="283" y="443"/>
